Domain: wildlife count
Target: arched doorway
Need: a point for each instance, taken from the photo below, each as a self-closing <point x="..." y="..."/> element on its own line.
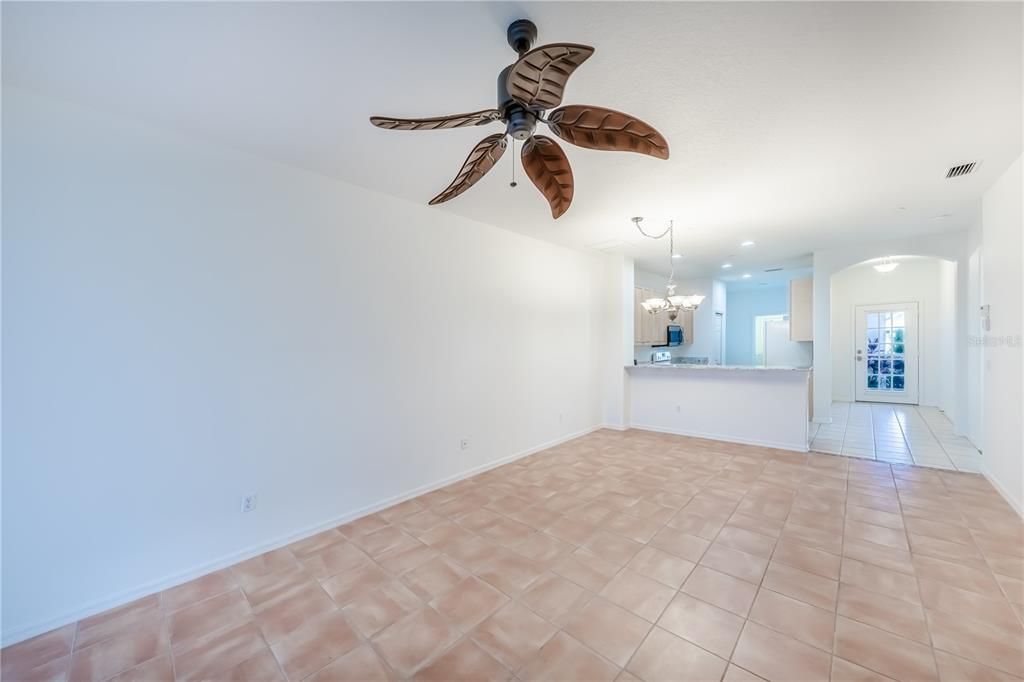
<point x="895" y="363"/>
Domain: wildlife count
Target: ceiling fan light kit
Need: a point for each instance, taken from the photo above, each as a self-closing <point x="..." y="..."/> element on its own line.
<point x="528" y="89"/>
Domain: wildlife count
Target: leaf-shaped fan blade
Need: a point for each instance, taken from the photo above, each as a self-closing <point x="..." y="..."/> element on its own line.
<point x="545" y="163"/>
<point x="605" y="129"/>
<point x="538" y="79"/>
<point x="482" y="159"/>
<point x="475" y="118"/>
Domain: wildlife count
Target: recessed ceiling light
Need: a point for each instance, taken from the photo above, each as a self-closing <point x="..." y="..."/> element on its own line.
<point x="726" y="266"/>
<point x="747" y="243"/>
<point x="746" y="275"/>
<point x="677" y="255"/>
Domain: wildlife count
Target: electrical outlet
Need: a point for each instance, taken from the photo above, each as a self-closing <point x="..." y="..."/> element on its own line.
<point x="248" y="503"/>
<point x="464" y="444"/>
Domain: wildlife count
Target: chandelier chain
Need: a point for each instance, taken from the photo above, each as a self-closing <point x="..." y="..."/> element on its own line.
<point x="671" y="303"/>
<point x="670" y="231"/>
<point x="637" y="221"/>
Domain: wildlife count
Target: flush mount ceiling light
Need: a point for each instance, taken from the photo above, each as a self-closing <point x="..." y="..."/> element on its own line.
<point x="746" y="275"/>
<point x="672" y="303"/>
<point x="530" y="91"/>
<point x="726" y="266"/>
<point x="747" y="243"/>
<point x="887" y="265"/>
<point x="677" y="255"/>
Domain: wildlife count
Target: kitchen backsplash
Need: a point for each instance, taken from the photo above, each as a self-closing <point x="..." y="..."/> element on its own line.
<point x="642" y="354"/>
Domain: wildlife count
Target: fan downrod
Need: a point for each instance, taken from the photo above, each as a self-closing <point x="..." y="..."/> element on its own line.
<point x="522" y="33"/>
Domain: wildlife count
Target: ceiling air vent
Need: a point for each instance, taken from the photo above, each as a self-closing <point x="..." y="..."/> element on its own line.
<point x="773" y="270"/>
<point x="962" y="169"/>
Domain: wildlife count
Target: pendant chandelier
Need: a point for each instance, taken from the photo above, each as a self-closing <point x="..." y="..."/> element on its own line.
<point x="672" y="302"/>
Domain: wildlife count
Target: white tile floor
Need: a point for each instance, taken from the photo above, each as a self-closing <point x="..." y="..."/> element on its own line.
<point x="910" y="434"/>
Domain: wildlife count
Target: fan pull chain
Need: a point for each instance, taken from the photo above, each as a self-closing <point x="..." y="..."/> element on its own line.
<point x="513" y="183"/>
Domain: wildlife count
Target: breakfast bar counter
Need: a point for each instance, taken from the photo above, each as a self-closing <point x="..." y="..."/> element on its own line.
<point x="740" y="404"/>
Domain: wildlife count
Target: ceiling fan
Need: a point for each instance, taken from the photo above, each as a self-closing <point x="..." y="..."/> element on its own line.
<point x="526" y="90"/>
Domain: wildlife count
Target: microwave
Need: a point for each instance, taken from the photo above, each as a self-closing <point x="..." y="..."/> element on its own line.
<point x="673" y="336"/>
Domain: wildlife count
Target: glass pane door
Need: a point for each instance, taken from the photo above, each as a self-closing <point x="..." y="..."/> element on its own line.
<point x="886" y="353"/>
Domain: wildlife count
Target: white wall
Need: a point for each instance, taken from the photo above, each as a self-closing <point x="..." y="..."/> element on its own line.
<point x="1003" y="290"/>
<point x="618" y="335"/>
<point x="185" y="324"/>
<point x="970" y="350"/>
<point x="926" y="281"/>
<point x="949" y="327"/>
<point x="703" y="338"/>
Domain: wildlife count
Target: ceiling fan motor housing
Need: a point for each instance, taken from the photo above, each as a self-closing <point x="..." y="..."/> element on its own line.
<point x="521" y="122"/>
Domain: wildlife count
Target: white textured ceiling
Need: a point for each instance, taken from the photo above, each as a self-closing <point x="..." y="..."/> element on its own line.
<point x="799" y="125"/>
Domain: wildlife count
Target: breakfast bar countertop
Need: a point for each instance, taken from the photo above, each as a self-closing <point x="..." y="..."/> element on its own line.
<point x="704" y="368"/>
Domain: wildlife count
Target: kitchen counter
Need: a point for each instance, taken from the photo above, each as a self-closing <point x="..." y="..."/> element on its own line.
<point x="766" y="406"/>
<point x="738" y="368"/>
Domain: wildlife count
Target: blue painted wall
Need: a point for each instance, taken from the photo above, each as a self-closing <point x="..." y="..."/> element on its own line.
<point x="744" y="305"/>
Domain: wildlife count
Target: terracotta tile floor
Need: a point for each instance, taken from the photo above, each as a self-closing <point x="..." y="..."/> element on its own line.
<point x="630" y="556"/>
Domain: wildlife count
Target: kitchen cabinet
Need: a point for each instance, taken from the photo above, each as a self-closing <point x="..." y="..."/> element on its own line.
<point x="647" y="322"/>
<point x="801" y="310"/>
<point x="643" y="321"/>
<point x="685" y="320"/>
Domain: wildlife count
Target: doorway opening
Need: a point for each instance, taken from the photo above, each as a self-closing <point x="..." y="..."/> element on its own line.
<point x="768" y="329"/>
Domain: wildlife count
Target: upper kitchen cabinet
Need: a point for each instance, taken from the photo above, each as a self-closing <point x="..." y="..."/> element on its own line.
<point x="645" y="325"/>
<point x="801" y="312"/>
<point x="645" y="331"/>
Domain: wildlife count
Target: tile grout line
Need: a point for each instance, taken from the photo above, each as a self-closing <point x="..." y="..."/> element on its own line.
<point x="839" y="580"/>
<point x="654" y="625"/>
<point x="760" y="584"/>
<point x="917" y="580"/>
<point x="696" y="564"/>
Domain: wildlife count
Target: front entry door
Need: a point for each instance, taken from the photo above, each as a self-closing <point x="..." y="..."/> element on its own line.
<point x="885" y="348"/>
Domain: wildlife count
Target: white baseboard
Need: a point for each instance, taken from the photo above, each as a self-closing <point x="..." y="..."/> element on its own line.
<point x="615" y="427"/>
<point x="725" y="439"/>
<point x="113" y="601"/>
<point x="822" y="420"/>
<point x="1014" y="504"/>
